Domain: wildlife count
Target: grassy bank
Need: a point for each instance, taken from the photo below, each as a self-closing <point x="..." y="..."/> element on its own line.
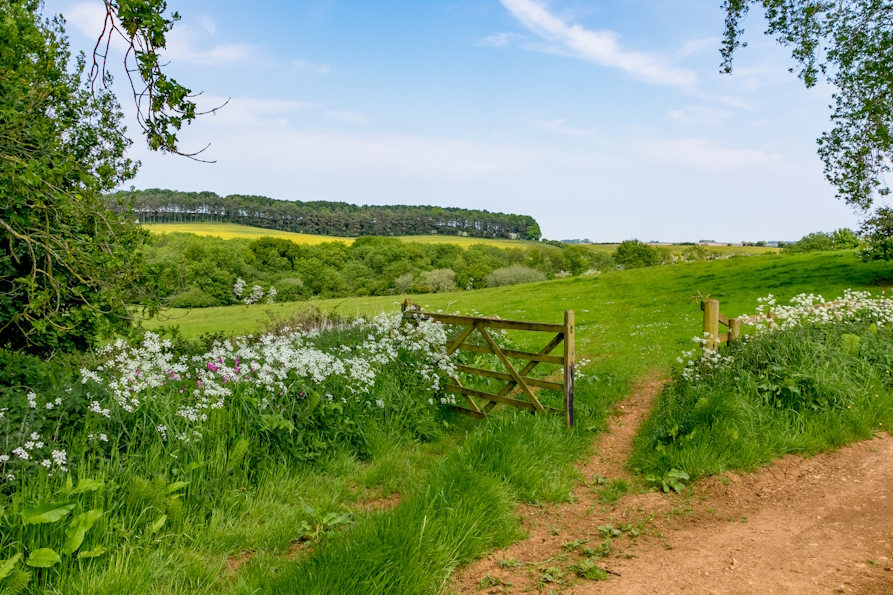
<point x="804" y="389"/>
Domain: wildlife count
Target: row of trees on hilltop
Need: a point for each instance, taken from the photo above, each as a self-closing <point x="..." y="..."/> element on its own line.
<point x="322" y="217"/>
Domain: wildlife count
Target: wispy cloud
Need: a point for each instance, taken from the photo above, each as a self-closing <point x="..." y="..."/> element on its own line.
<point x="347" y="116"/>
<point x="704" y="154"/>
<point x="305" y="66"/>
<point x="600" y="47"/>
<point x="208" y="24"/>
<point x="699" y="114"/>
<point x="497" y="41"/>
<point x="560" y="127"/>
<point x="248" y="111"/>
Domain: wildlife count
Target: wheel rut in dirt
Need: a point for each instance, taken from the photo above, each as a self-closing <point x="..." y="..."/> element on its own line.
<point x="800" y="526"/>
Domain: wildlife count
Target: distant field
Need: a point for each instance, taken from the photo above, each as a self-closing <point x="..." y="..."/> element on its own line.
<point x="642" y="314"/>
<point x="228" y="231"/>
<point x="680" y="249"/>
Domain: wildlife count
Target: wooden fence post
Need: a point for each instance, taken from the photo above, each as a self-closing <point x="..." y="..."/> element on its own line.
<point x="734" y="329"/>
<point x="569" y="366"/>
<point x="711" y="323"/>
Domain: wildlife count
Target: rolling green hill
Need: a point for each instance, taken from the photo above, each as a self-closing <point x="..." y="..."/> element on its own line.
<point x="645" y="315"/>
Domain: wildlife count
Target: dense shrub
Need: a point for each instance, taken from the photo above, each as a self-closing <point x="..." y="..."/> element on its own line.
<point x="194" y="297"/>
<point x="840" y="239"/>
<point x="601" y="261"/>
<point x="438" y="281"/>
<point x="813" y="242"/>
<point x="634" y="254"/>
<point x="845" y="239"/>
<point x="403" y="283"/>
<point x="696" y="253"/>
<point x="513" y="275"/>
<point x="878" y="233"/>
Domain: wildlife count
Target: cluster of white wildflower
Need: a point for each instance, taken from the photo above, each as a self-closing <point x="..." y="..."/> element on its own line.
<point x="25" y="448"/>
<point x="854" y="306"/>
<point x="273" y="365"/>
<point x="695" y="366"/>
<point x="580" y="365"/>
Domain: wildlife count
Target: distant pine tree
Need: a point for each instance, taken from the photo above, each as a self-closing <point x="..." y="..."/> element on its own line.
<point x="321" y="217"/>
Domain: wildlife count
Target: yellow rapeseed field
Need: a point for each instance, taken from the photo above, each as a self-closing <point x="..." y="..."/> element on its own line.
<point x="228" y="231"/>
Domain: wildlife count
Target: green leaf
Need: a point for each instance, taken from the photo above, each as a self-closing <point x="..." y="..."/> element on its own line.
<point x="177" y="485"/>
<point x="7" y="566"/>
<point x="95" y="552"/>
<point x="77" y="530"/>
<point x="43" y="558"/>
<point x="47" y="513"/>
<point x="87" y="485"/>
<point x="158" y="524"/>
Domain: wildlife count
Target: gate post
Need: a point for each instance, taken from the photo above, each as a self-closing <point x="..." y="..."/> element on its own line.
<point x="569" y="367"/>
<point x="734" y="329"/>
<point x="711" y="323"/>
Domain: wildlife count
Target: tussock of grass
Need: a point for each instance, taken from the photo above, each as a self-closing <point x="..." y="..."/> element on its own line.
<point x="804" y="390"/>
<point x="463" y="507"/>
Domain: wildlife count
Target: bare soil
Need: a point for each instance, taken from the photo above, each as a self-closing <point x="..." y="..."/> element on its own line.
<point x="800" y="526"/>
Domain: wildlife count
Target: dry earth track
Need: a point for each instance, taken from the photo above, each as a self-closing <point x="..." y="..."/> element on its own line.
<point x="801" y="526"/>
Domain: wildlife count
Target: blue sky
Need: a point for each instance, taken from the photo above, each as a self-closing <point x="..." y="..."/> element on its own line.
<point x="603" y="119"/>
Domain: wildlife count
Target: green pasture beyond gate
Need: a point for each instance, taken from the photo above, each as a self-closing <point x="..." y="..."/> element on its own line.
<point x="627" y="322"/>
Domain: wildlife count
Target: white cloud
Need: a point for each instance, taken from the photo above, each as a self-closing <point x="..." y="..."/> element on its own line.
<point x="184" y="43"/>
<point x="699" y="114"/>
<point x="247" y="111"/>
<point x="305" y="66"/>
<point x="207" y="24"/>
<point x="497" y="40"/>
<point x="704" y="154"/>
<point x="694" y="47"/>
<point x="599" y="47"/>
<point x="88" y="17"/>
<point x="559" y="127"/>
<point x="347" y="116"/>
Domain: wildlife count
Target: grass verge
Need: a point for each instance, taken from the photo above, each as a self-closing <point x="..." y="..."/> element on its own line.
<point x="804" y="390"/>
<point x="463" y="508"/>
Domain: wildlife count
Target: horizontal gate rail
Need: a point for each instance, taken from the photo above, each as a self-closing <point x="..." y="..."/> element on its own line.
<point x="515" y="380"/>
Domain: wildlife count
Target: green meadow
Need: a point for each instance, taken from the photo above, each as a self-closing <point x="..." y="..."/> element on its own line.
<point x="393" y="500"/>
<point x="647" y="314"/>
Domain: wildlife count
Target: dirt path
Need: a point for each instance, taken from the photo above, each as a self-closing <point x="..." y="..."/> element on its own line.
<point x="801" y="526"/>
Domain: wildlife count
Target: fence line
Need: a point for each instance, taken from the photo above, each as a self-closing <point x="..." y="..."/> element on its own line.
<point x="516" y="380"/>
<point x="713" y="318"/>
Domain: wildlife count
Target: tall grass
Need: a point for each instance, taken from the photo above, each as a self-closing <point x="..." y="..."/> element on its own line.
<point x="463" y="507"/>
<point x="802" y="390"/>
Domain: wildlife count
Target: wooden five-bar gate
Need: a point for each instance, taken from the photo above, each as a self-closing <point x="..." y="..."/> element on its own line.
<point x="515" y="380"/>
